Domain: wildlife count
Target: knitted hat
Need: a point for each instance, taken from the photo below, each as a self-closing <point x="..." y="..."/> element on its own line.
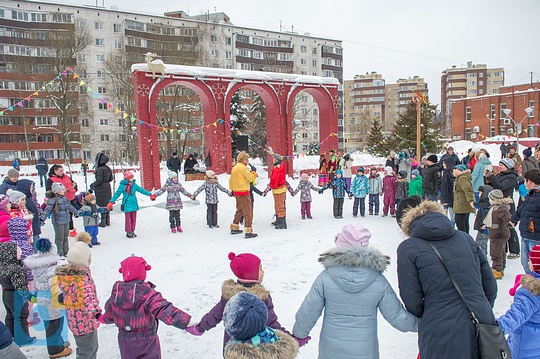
<point x="339" y="172"/>
<point x="244" y="316"/>
<point x="527" y="152"/>
<point x="495" y="195"/>
<point x="406" y="204"/>
<point x="372" y="168"/>
<point x="534" y="256"/>
<point x="304" y="176"/>
<point x="245" y="266"/>
<point x="508" y="163"/>
<point x="134" y="268"/>
<point x="18" y="228"/>
<point x="278" y="157"/>
<point x="210" y="173"/>
<point x="433" y="158"/>
<point x="360" y="169"/>
<point x="415" y="172"/>
<point x="402" y="174"/>
<point x="388" y="170"/>
<point x="57" y="187"/>
<point x="128" y="175"/>
<point x="15" y="197"/>
<point x="460" y="167"/>
<point x="4" y="201"/>
<point x="171" y="174"/>
<point x="43" y="245"/>
<point x="79" y="252"/>
<point x="242" y="156"/>
<point x="88" y="198"/>
<point x="12" y="173"/>
<point x="450" y="148"/>
<point x="352" y="235"/>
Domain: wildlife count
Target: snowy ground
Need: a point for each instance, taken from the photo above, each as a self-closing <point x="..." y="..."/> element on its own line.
<point x="189" y="268"/>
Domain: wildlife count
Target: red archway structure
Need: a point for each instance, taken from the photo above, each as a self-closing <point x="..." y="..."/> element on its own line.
<point x="215" y="88"/>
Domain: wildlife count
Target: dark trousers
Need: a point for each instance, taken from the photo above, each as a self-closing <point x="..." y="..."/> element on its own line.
<point x="462" y="222"/>
<point x="105" y="219"/>
<point x="53" y="335"/>
<point x="373" y="201"/>
<point x="174" y="218"/>
<point x="359" y="202"/>
<point x="338" y="207"/>
<point x="16" y="313"/>
<point x="211" y="214"/>
<point x="42" y="179"/>
<point x="305" y="209"/>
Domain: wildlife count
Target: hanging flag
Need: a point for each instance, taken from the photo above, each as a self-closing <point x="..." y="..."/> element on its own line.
<point x="116" y="111"/>
<point x="75" y="76"/>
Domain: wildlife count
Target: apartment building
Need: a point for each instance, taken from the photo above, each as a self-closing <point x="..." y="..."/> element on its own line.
<point x="475" y="118"/>
<point x="117" y="39"/>
<point x="470" y="81"/>
<point x="399" y="95"/>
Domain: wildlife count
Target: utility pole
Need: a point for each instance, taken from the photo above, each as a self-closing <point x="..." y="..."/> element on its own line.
<point x="417" y="98"/>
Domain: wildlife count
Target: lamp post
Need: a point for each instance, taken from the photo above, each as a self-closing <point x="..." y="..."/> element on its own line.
<point x="517" y="126"/>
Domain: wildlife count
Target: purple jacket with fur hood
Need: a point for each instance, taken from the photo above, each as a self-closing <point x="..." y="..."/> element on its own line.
<point x="135" y="307"/>
<point x="173" y="189"/>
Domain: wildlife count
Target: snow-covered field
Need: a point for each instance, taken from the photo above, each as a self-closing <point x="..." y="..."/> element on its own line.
<point x="189" y="268"/>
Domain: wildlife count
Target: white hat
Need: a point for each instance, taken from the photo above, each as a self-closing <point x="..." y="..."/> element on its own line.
<point x="15" y="197"/>
<point x="57" y="187"/>
<point x="79" y="253"/>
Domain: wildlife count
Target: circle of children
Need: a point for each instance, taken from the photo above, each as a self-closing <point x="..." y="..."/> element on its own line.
<point x="30" y="274"/>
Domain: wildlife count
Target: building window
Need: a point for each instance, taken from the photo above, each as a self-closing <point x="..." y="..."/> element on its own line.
<point x="480" y="74"/>
<point x="314" y="63"/>
<point x="498" y="74"/>
<point x="102" y="89"/>
<point x="85" y="123"/>
<point x="531" y="105"/>
<point x="121" y="137"/>
<point x="214" y="52"/>
<point x="100" y="74"/>
<point x="502" y="107"/>
<point x="303" y="49"/>
<point x="104" y="138"/>
<point x="228" y="41"/>
<point x="81" y="57"/>
<point x="213" y="38"/>
<point x="243" y="52"/>
<point x="492" y="113"/>
<point x="117" y="28"/>
<point x="468" y="134"/>
<point x="471" y="92"/>
<point x="98" y="25"/>
<point x="468" y="114"/>
<point x="85" y="138"/>
<point x="471" y="83"/>
<point x="471" y="74"/>
<point x="491" y="131"/>
<point x="117" y="44"/>
<point x="100" y="42"/>
<point x="228" y="54"/>
<point x="104" y="122"/>
<point x="303" y="62"/>
<point x="100" y="58"/>
<point x="314" y="51"/>
<point x="102" y="105"/>
<point x="315" y="112"/>
<point x="502" y="130"/>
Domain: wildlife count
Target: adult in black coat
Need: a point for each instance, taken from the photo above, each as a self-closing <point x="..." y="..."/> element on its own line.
<point x="27" y="187"/>
<point x="189" y="163"/>
<point x="102" y="186"/>
<point x="447" y="187"/>
<point x="42" y="167"/>
<point x="431" y="178"/>
<point x="174" y="163"/>
<point x="465" y="160"/>
<point x="446" y="330"/>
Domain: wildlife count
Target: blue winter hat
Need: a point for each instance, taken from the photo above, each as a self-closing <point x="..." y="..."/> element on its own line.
<point x="460" y="167"/>
<point x="415" y="172"/>
<point x="244" y="316"/>
<point x="43" y="245"/>
<point x="339" y="172"/>
<point x="360" y="169"/>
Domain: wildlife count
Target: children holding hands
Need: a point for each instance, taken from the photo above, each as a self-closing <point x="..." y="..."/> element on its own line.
<point x="174" y="188"/>
<point x="304" y="188"/>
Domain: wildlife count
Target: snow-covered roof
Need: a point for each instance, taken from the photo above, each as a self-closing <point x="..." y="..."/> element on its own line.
<point x="202" y="72"/>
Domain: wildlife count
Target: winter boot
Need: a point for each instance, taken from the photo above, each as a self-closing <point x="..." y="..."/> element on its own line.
<point x="108" y="218"/>
<point x="103" y="221"/>
<point x="173" y="229"/>
<point x="497" y="274"/>
<point x="282" y="224"/>
<point x="179" y="229"/>
<point x="129" y="235"/>
<point x="64" y="353"/>
<point x="235" y="229"/>
<point x="276" y="221"/>
<point x="249" y="233"/>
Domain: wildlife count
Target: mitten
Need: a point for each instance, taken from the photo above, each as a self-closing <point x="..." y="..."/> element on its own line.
<point x="100" y="318"/>
<point x="94" y="215"/>
<point x="152" y="197"/>
<point x="303" y="341"/>
<point x="109" y="206"/>
<point x="194" y="331"/>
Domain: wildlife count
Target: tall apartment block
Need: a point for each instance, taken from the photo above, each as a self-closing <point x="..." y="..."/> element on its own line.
<point x="117" y="39"/>
<point x="368" y="97"/>
<point x="464" y="82"/>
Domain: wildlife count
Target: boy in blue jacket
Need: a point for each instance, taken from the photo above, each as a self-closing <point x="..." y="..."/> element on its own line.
<point x="339" y="189"/>
<point x="359" y="189"/>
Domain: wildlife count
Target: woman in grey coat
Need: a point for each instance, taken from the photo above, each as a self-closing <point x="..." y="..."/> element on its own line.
<point x="350" y="290"/>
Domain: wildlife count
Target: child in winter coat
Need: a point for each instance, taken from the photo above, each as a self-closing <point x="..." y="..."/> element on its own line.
<point x="91" y="213"/>
<point x="523" y="192"/>
<point x="7" y="348"/>
<point x="375" y="190"/>
<point x="415" y="186"/>
<point x="60" y="207"/>
<point x="128" y="189"/>
<point x="496" y="221"/>
<point x="77" y="292"/>
<point x="247" y="268"/>
<point x="304" y="187"/>
<point x="522" y="321"/>
<point x="14" y="288"/>
<point x="5" y="206"/>
<point x="339" y="190"/>
<point x="402" y="189"/>
<point x="173" y="187"/>
<point x="482" y="234"/>
<point x="18" y="208"/>
<point x="210" y="187"/>
<point x="43" y="266"/>
<point x="389" y="192"/>
<point x="350" y="290"/>
<point x="136" y="307"/>
<point x="323" y="170"/>
<point x="245" y="318"/>
<point x="359" y="189"/>
<point x="27" y="187"/>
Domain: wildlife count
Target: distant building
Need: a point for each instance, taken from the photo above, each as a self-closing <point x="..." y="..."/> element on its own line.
<point x="399" y="95"/>
<point x="476" y="118"/>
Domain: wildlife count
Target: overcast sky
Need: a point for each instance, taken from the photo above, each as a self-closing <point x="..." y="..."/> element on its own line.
<point x="398" y="38"/>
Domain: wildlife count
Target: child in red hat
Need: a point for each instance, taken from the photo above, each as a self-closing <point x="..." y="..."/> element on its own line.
<point x="247" y="268"/>
<point x="522" y="321"/>
<point x="135" y="307"/>
<point x="128" y="189"/>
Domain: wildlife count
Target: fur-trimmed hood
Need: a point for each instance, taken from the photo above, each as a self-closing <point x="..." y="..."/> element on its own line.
<point x="358" y="257"/>
<point x="286" y="347"/>
<point x="501" y="201"/>
<point x="230" y="288"/>
<point x="41" y="260"/>
<point x="50" y="194"/>
<point x="435" y="225"/>
<point x="531" y="283"/>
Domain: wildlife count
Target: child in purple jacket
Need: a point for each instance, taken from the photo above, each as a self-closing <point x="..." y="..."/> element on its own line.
<point x="248" y="269"/>
<point x="135" y="307"/>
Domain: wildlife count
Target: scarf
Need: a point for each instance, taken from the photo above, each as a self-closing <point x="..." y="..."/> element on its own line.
<point x="93" y="208"/>
<point x="488" y="221"/>
<point x="266" y="336"/>
<point x="129" y="187"/>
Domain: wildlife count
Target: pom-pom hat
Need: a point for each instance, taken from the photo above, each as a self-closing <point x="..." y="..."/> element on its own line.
<point x="244" y="316"/>
<point x="134" y="268"/>
<point x="210" y="173"/>
<point x="43" y="245"/>
<point x="352" y="235"/>
<point x="79" y="253"/>
<point x="360" y="169"/>
<point x="245" y="266"/>
<point x="460" y="167"/>
<point x="495" y="194"/>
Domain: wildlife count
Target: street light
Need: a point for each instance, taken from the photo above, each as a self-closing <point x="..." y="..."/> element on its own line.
<point x="517" y="126"/>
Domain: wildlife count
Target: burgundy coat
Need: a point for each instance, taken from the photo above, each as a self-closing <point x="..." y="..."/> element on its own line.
<point x="230" y="289"/>
<point x="136" y="307"/>
<point x="389" y="186"/>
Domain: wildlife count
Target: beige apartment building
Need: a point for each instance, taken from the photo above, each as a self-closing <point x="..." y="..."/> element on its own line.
<point x="470" y="81"/>
<point x="399" y="95"/>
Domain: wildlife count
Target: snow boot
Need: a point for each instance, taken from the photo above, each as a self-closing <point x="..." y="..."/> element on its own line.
<point x="249" y="233"/>
<point x="64" y="353"/>
<point x="108" y="218"/>
<point x="497" y="274"/>
<point x="179" y="229"/>
<point x="276" y="221"/>
<point x="173" y="229"/>
<point x="282" y="224"/>
<point x="235" y="229"/>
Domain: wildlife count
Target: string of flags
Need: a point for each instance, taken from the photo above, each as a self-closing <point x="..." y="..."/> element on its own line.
<point x="132" y="118"/>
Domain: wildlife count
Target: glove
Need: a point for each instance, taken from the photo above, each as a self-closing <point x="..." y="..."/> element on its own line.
<point x="303" y="341"/>
<point x="100" y="318"/>
<point x="91" y="189"/>
<point x="152" y="197"/>
<point x="231" y="194"/>
<point x="109" y="206"/>
<point x="194" y="331"/>
<point x="94" y="215"/>
<point x="41" y="223"/>
<point x="253" y="169"/>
